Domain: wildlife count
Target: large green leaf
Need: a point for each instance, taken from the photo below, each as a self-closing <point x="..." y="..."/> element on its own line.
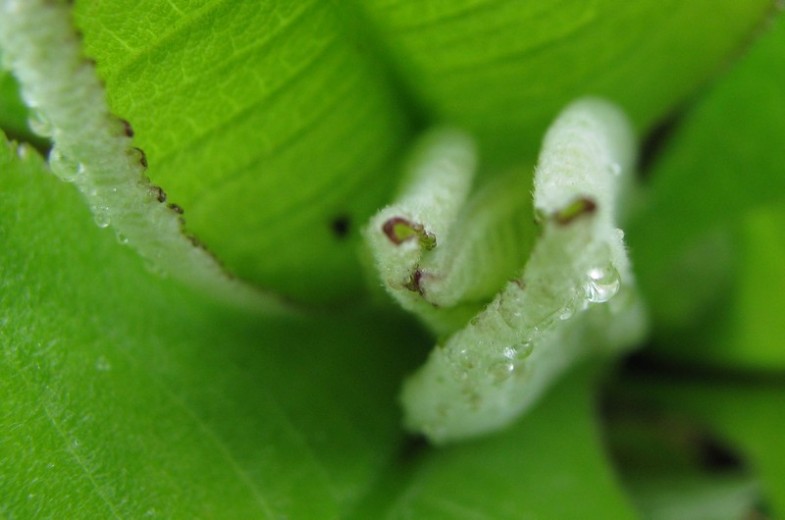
<point x="267" y="123"/>
<point x="674" y="465"/>
<point x="123" y="395"/>
<point x="13" y="112"/>
<point x="707" y="246"/>
<point x="749" y="416"/>
<point x="270" y="123"/>
<point x="503" y="69"/>
<point x="548" y="465"/>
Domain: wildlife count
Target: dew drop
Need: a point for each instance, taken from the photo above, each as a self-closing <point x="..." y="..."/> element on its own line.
<point x="40" y="124"/>
<point x="121" y="238"/>
<point x="523" y="350"/>
<point x="614" y="168"/>
<point x="501" y="370"/>
<point x="101" y="216"/>
<point x="27" y="98"/>
<point x="102" y="364"/>
<point x="461" y="362"/>
<point x="23" y="151"/>
<point x="62" y="166"/>
<point x="460" y="358"/>
<point x="155" y="269"/>
<point x="603" y="284"/>
<point x="566" y="312"/>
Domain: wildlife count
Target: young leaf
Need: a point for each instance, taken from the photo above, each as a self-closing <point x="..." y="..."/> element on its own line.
<point x="557" y="310"/>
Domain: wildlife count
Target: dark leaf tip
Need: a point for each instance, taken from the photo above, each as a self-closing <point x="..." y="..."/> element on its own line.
<point x="580" y="207"/>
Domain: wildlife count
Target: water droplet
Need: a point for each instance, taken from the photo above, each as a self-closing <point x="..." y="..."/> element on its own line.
<point x="603" y="284"/>
<point x="614" y="168"/>
<point x="62" y="166"/>
<point x="28" y="99"/>
<point x="461" y="362"/>
<point x="101" y="216"/>
<point x="155" y="269"/>
<point x="523" y="350"/>
<point x="121" y="238"/>
<point x="573" y="303"/>
<point x="460" y="358"/>
<point x="23" y="151"/>
<point x="40" y="124"/>
<point x="102" y="364"/>
<point x="501" y="370"/>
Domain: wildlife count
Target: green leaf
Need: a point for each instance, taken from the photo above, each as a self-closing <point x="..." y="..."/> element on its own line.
<point x="266" y="123"/>
<point x="673" y="465"/>
<point x="13" y="112"/>
<point x="548" y="465"/>
<point x="124" y="395"/>
<point x="752" y="332"/>
<point x="705" y="252"/>
<point x="749" y="416"/>
<point x="677" y="497"/>
<point x="504" y="69"/>
<point x="576" y="294"/>
<point x="269" y="123"/>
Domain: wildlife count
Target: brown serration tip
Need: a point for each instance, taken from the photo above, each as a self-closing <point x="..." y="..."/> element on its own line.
<point x="576" y="209"/>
